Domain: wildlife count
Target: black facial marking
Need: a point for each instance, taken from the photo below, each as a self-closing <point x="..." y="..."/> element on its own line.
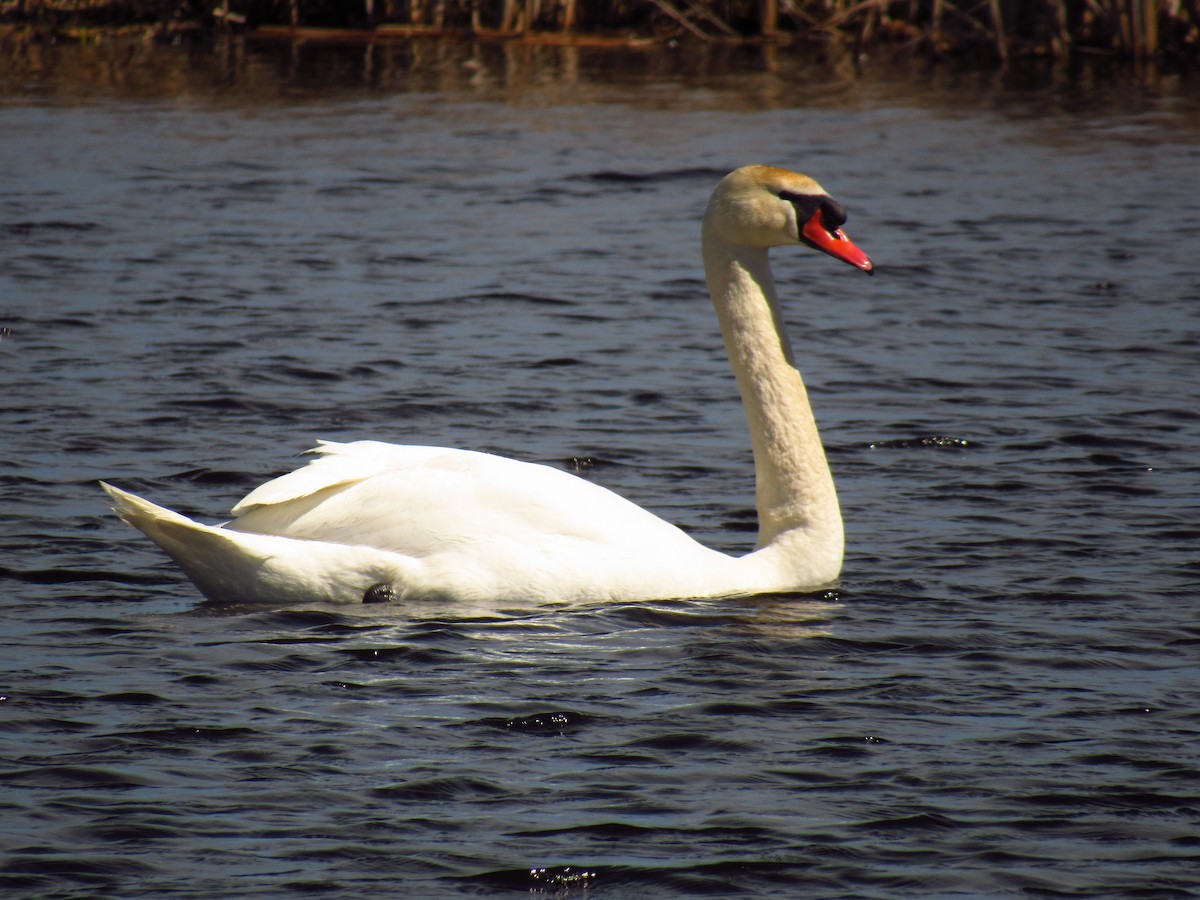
<point x="833" y="214"/>
<point x="806" y="205"/>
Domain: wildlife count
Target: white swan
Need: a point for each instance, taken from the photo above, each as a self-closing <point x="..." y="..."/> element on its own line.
<point x="370" y="521"/>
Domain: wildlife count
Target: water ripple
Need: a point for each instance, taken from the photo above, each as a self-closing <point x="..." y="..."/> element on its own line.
<point x="1000" y="696"/>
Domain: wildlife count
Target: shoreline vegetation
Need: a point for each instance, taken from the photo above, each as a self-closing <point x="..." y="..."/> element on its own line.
<point x="985" y="31"/>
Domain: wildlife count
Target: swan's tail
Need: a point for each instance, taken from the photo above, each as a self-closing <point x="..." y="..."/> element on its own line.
<point x="209" y="556"/>
<point x="156" y="522"/>
<point x="236" y="566"/>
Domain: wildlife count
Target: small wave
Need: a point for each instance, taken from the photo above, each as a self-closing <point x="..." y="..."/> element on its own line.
<point x="26" y="228"/>
<point x="456" y="788"/>
<point x="693" y="173"/>
<point x="557" y="722"/>
<point x="937" y="441"/>
<point x="56" y="776"/>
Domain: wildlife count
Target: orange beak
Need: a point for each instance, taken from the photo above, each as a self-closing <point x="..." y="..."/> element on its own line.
<point x="835" y="243"/>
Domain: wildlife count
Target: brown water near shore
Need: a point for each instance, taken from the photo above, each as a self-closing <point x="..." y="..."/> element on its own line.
<point x="234" y="68"/>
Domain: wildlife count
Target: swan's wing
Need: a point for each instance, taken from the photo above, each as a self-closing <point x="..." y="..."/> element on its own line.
<point x="335" y="464"/>
<point x="422" y="501"/>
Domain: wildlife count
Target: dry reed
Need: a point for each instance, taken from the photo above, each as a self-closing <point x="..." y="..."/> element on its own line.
<point x="999" y="28"/>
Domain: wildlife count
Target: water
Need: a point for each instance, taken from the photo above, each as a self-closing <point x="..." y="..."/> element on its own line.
<point x="211" y="260"/>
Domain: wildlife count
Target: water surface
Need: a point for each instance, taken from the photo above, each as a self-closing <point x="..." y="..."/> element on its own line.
<point x="205" y="271"/>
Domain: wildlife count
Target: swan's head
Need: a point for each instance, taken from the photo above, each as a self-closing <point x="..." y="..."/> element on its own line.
<point x="761" y="206"/>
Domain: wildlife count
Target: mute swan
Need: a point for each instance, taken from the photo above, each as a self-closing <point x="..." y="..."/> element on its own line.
<point x="369" y="521"/>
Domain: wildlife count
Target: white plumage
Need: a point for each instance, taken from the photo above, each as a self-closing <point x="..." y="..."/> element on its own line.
<point x="377" y="520"/>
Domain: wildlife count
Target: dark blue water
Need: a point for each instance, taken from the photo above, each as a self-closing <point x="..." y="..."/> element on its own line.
<point x="206" y="267"/>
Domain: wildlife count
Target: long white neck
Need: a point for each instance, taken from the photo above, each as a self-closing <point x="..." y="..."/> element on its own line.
<point x="796" y="499"/>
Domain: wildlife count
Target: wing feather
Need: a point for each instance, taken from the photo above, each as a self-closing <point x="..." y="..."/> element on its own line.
<point x="425" y="500"/>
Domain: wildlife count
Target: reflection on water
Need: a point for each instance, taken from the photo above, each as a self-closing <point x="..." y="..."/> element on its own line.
<point x="693" y="76"/>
